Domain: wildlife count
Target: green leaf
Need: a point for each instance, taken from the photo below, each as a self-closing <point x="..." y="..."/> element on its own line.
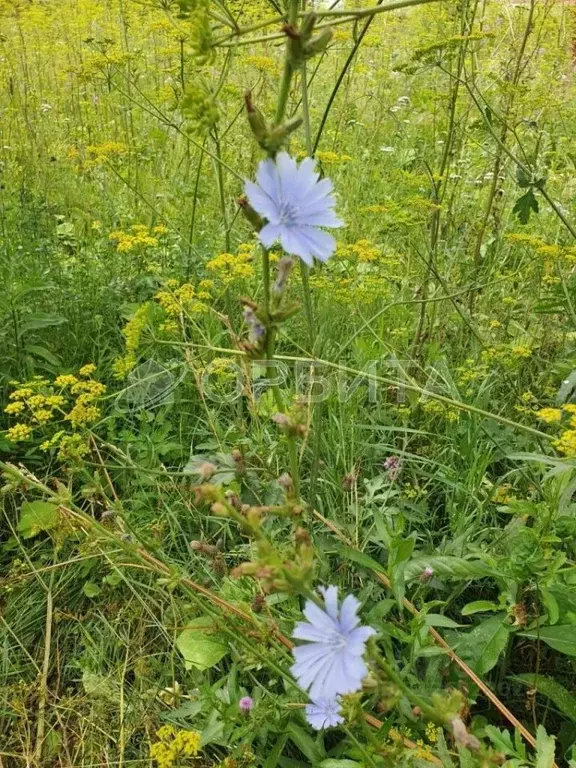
<point x="273" y="757"/>
<point x="484" y="644"/>
<point x="438" y="620"/>
<point x="561" y="637"/>
<point x="361" y="558"/>
<point x="478" y="606"/>
<point x="45" y="354"/>
<point x="523" y="177"/>
<point x="551" y="605"/>
<point x="562" y="698"/>
<point x="305" y="743"/>
<point x="332" y="763"/>
<point x="199" y="646"/>
<point x="525" y="205"/>
<point x="501" y="740"/>
<point x="37" y="320"/>
<point x="37" y="516"/>
<point x="447" y="567"/>
<point x="544" y="748"/>
<point x="91" y="589"/>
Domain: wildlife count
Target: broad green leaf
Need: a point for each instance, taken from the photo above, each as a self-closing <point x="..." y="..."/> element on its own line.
<point x="37" y="516"/>
<point x="478" y="606"/>
<point x="544" y="748"/>
<point x="361" y="558"/>
<point x="91" y="589"/>
<point x="332" y="763"/>
<point x="562" y="698"/>
<point x="37" y="320"/>
<point x="199" y="646"/>
<point x="438" y="620"/>
<point x="484" y="644"/>
<point x="560" y="637"/>
<point x="45" y="354"/>
<point x="551" y="605"/>
<point x="447" y="567"/>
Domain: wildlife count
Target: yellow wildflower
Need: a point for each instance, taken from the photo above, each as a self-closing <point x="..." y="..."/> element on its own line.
<point x="83" y="414"/>
<point x="19" y="433"/>
<point x="43" y="415"/>
<point x="65" y="380"/>
<point x="567" y="443"/>
<point x="123" y="365"/>
<point x="21" y="394"/>
<point x="16" y="407"/>
<point x="87" y="370"/>
<point x="521" y="350"/>
<point x="550" y="415"/>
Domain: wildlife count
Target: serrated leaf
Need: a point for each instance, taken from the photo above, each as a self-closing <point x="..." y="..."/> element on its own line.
<point x="562" y="698"/>
<point x="524" y="206"/>
<point x="500" y="739"/>
<point x="199" y="647"/>
<point x="544" y="748"/>
<point x="37" y="516"/>
<point x="560" y="637"/>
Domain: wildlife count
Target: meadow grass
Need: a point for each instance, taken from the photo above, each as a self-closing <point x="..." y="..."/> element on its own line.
<point x="167" y="508"/>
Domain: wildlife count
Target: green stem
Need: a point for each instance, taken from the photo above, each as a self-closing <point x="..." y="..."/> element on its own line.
<point x="277" y="393"/>
<point x="304" y="270"/>
<point x="415" y="699"/>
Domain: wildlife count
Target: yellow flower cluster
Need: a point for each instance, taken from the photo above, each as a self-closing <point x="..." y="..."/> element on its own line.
<point x="102" y="153"/>
<point x="140" y="237"/>
<point x="262" y="64"/>
<point x="177" y="299"/>
<point x="327" y="158"/>
<point x="506" y="354"/>
<point x="566" y="443"/>
<point x="550" y="415"/>
<point x="68" y="397"/>
<point x="435" y="408"/>
<point x="362" y="250"/>
<point x="132" y="333"/>
<point x="364" y="289"/>
<point x="19" y="432"/>
<point x="229" y="268"/>
<point x="70" y="447"/>
<point x="173" y="746"/>
<point x="547" y="250"/>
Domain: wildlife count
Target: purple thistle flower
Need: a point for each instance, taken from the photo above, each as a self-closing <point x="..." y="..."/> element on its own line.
<point x="331" y="662"/>
<point x="246" y="703"/>
<point x="295" y="203"/>
<point x="324" y="713"/>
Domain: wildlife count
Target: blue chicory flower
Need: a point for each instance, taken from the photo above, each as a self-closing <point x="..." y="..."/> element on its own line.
<point x="331" y="662"/>
<point x="324" y="713"/>
<point x="295" y="203"/>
